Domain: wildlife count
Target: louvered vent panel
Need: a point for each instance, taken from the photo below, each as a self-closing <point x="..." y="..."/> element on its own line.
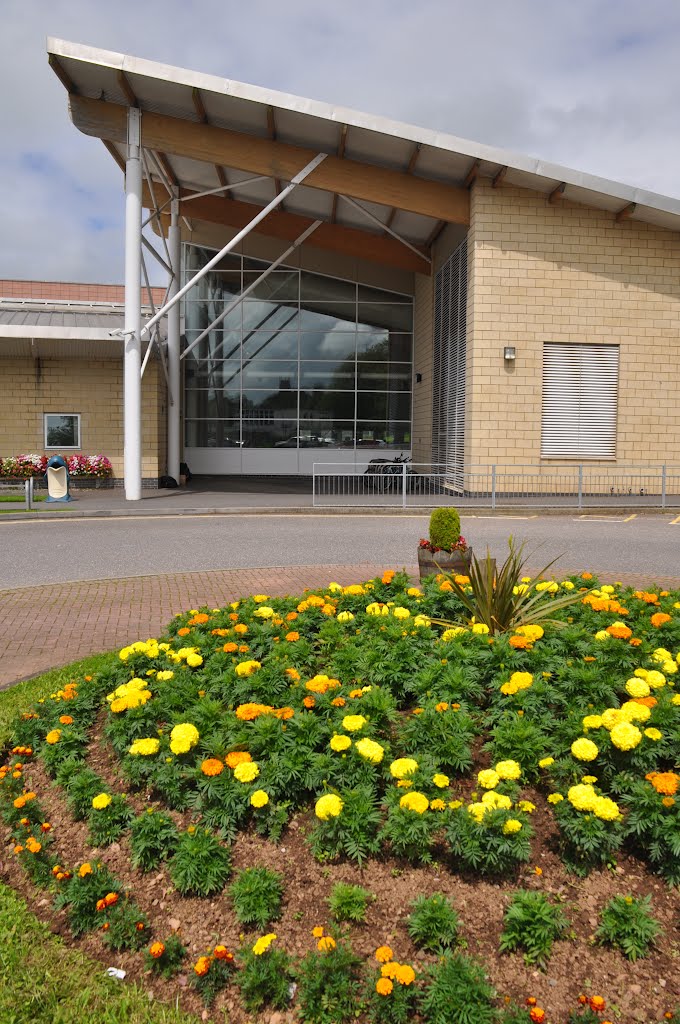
<point x="448" y="424"/>
<point x="580" y="396"/>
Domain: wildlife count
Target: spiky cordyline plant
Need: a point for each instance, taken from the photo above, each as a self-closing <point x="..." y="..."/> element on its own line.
<point x="499" y="599"/>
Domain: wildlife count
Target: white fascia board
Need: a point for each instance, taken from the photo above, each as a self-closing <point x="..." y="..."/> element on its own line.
<point x="55" y="333"/>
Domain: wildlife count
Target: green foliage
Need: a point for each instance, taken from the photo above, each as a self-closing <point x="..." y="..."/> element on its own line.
<point x="328" y="985"/>
<point x="80" y="895"/>
<point x="531" y="923"/>
<point x="153" y="838"/>
<point x="200" y="865"/>
<point x="265" y="980"/>
<point x="128" y="927"/>
<point x="520" y="739"/>
<point x="395" y="1007"/>
<point x="81" y="788"/>
<point x="353" y="833"/>
<point x="653" y="827"/>
<point x="627" y="924"/>
<point x="410" y="834"/>
<point x="483" y="846"/>
<point x="458" y="993"/>
<point x="170" y="960"/>
<point x="349" y="902"/>
<point x="586" y="841"/>
<point x="499" y="600"/>
<point x="108" y="824"/>
<point x="444" y="528"/>
<point x="216" y="978"/>
<point x="256" y="894"/>
<point x="446" y="735"/>
<point x="433" y="923"/>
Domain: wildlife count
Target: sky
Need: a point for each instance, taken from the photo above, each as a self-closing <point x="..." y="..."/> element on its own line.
<point x="591" y="84"/>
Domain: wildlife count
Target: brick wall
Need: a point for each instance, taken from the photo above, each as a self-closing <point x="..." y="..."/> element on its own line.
<point x="93" y="388"/>
<point x="71" y="292"/>
<point x="564" y="272"/>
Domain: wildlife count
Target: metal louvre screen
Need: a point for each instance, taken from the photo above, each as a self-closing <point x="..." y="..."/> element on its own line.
<point x="580" y="394"/>
<point x="448" y="417"/>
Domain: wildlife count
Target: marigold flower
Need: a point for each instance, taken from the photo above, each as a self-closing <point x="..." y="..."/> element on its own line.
<point x="156" y="950"/>
<point x="414" y="801"/>
<point x="659" y="618"/>
<point x="510" y="770"/>
<point x="383" y="986"/>
<point x="353" y="723"/>
<point x="66" y="719"/>
<point x="144" y="747"/>
<point x="101" y="801"/>
<point x="584" y="749"/>
<point x="259" y="798"/>
<point x="440" y="780"/>
<point x="403" y="767"/>
<point x="183" y="737"/>
<point x="664" y="782"/>
<point x="383" y="954"/>
<point x="263" y="943"/>
<point x="292" y="636"/>
<point x="212" y="766"/>
<point x="111" y="899"/>
<point x="405" y="974"/>
<point x="237" y="757"/>
<point x="597" y="1004"/>
<point x="317" y="931"/>
<point x="326" y="944"/>
<point x="230" y="647"/>
<point x="537" y="1015"/>
<point x="338" y="702"/>
<point x="247" y="771"/>
<point x="309" y="702"/>
<point x="202" y="966"/>
<point x="625" y="736"/>
<point x="328" y="806"/>
<point x="582" y="797"/>
<point x="222" y="953"/>
<point x="370" y="750"/>
<point x="85" y="869"/>
<point x="488" y="778"/>
<point x="53" y="736"/>
<point x="619" y="630"/>
<point x="511" y="826"/>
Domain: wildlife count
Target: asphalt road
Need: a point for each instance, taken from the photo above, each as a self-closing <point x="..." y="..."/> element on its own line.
<point x="40" y="552"/>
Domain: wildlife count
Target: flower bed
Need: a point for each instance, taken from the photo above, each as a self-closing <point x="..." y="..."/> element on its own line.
<point x="85" y="467"/>
<point x="499" y="793"/>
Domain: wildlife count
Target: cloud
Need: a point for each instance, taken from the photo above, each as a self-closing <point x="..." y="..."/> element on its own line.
<point x="594" y="84"/>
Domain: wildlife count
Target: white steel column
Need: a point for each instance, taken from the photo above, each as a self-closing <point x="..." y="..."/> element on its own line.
<point x="174" y="246"/>
<point x="132" y="383"/>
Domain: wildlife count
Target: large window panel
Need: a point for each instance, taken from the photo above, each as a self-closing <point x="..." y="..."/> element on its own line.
<point x="270" y="345"/>
<point x="270" y="374"/>
<point x="339" y="317"/>
<point x="383" y="376"/>
<point x="282" y="404"/>
<point x="580" y="397"/>
<point x="329" y="344"/>
<point x="335" y="376"/>
<point x="383" y="405"/>
<point x="327" y="404"/>
<point x="212" y="433"/>
<point x="210" y="402"/>
<point x="211" y="373"/>
<point x="262" y="433"/>
<point x="268" y="316"/>
<point x="391" y="434"/>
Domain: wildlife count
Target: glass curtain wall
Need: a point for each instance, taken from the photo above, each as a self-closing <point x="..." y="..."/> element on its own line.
<point x="304" y="361"/>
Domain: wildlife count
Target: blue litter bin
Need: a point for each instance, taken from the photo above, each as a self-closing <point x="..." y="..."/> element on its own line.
<point x="57" y="478"/>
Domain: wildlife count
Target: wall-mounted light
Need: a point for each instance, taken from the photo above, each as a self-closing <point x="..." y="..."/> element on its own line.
<point x="509" y="354"/>
<point x="419" y="377"/>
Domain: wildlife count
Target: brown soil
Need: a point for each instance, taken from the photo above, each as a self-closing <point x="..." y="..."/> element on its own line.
<point x="640" y="992"/>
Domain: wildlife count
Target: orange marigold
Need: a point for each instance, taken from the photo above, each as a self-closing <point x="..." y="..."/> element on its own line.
<point x="619" y="631"/>
<point x="668" y="801"/>
<point x="646" y="596"/>
<point x="292" y="636"/>
<point x="309" y="702"/>
<point x="597" y="1004"/>
<point x="202" y="966"/>
<point x="212" y="766"/>
<point x="66" y="720"/>
<point x="388" y="575"/>
<point x="664" y="782"/>
<point x="520" y="643"/>
<point x="383" y="986"/>
<point x="184" y="631"/>
<point x="156" y="950"/>
<point x="293" y="674"/>
<point x="237" y="757"/>
<point x="648" y="702"/>
<point x="198" y="620"/>
<point x="338" y="702"/>
<point x="659" y="618"/>
<point x="383" y="954"/>
<point x="230" y="647"/>
<point x="635" y="641"/>
<point x="222" y="953"/>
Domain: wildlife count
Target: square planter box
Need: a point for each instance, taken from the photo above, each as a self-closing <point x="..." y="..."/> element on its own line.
<point x="455" y="562"/>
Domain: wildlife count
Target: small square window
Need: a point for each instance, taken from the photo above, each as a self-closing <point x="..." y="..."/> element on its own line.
<point x="62" y="430"/>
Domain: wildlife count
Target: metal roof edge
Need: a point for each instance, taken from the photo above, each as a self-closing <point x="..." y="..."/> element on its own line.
<point x="382" y="125"/>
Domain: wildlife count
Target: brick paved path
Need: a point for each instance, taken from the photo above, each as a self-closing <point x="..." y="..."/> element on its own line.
<point x="45" y="627"/>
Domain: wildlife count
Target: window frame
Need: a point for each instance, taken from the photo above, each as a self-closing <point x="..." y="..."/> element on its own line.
<point x="66" y="447"/>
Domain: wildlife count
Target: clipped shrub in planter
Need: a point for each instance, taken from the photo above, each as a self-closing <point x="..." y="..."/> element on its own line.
<point x="444" y="549"/>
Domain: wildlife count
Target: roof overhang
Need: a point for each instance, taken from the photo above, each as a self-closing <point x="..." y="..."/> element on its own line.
<point x="204" y="133"/>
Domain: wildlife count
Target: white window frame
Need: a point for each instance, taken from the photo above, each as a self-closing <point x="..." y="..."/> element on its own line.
<point x="57" y="447"/>
<point x="579" y="401"/>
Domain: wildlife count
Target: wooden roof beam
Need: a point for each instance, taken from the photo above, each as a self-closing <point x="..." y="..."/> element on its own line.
<point x="271" y="128"/>
<point x="413" y="160"/>
<point x="340" y="152"/>
<point x="288" y="226"/>
<point x="62" y="75"/>
<point x="115" y="154"/>
<point x="127" y="89"/>
<point x="266" y="156"/>
<point x="557" y="193"/>
<point x="499" y="178"/>
<point x="472" y="174"/>
<point x="626" y="213"/>
<point x="202" y="116"/>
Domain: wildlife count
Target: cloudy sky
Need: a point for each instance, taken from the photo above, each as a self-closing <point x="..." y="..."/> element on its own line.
<point x="593" y="84"/>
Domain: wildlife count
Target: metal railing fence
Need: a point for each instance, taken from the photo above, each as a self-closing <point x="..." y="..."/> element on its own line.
<point x="413" y="485"/>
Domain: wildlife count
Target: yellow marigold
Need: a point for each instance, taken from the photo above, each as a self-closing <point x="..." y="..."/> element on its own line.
<point x="480" y="627"/>
<point x="455" y="631"/>
<point x="53" y="736"/>
<point x="606" y="809"/>
<point x="555" y="798"/>
<point x="202" y="966"/>
<point x="353" y="723"/>
<point x="633" y="711"/>
<point x="584" y="750"/>
<point x="655" y="679"/>
<point x="437" y="805"/>
<point x="165" y="675"/>
<point x="259" y="798"/>
<point x="263" y="943"/>
<point x="511" y="826"/>
<point x="533" y="632"/>
<point x="370" y="750"/>
<point x="545" y="762"/>
<point x="101" y="801"/>
<point x="508" y="770"/>
<point x="440" y="780"/>
<point x="414" y="801"/>
<point x="582" y="797"/>
<point x="354" y="590"/>
<point x="317" y="931"/>
<point x="144" y="747"/>
<point x="383" y="986"/>
<point x="625" y="736"/>
<point x="592" y="722"/>
<point x="328" y="806"/>
<point x="339" y="743"/>
<point x="488" y="778"/>
<point x="526" y="806"/>
<point x="345" y="617"/>
<point x="183" y="737"/>
<point x="637" y="687"/>
<point x="611" y="717"/>
<point x="326" y="944"/>
<point x="247" y="668"/>
<point x="477" y="810"/>
<point x="653" y="734"/>
<point x="403" y="767"/>
<point x="212" y="766"/>
<point x="493" y="800"/>
<point x="401" y="613"/>
<point x="246" y="771"/>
